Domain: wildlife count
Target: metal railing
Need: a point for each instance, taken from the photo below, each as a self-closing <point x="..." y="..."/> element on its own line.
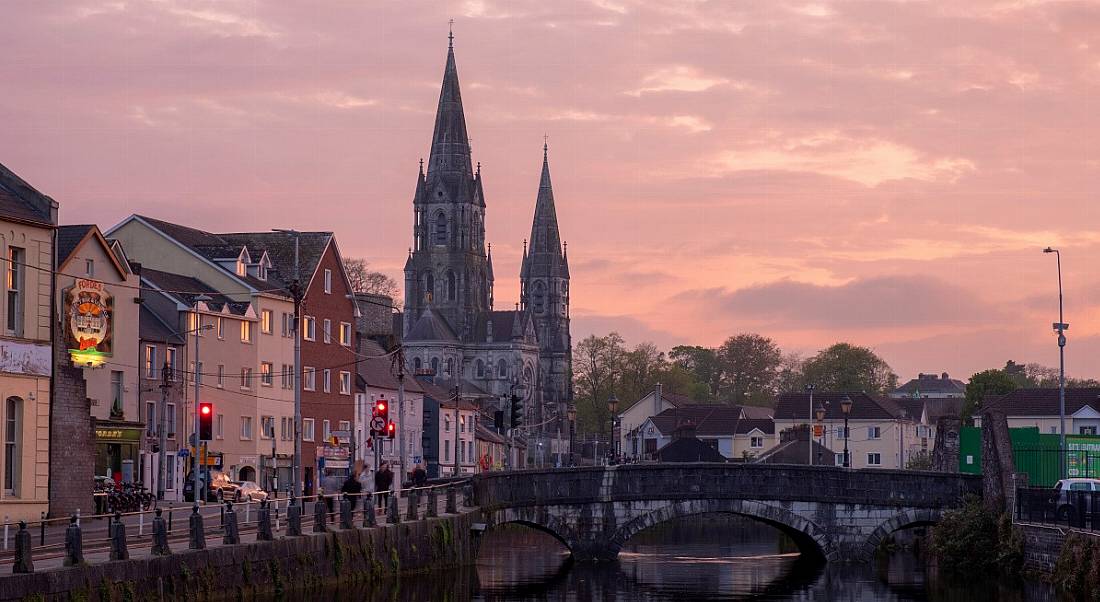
<point x="1073" y="509"/>
<point x="1044" y="467"/>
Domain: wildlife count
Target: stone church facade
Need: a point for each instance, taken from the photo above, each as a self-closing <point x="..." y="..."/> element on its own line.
<point x="450" y="327"/>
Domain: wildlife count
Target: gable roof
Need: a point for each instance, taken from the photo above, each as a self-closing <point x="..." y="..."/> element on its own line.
<point x="431" y="327"/>
<point x="184" y="289"/>
<point x="931" y="384"/>
<point x="1043" y="402"/>
<point x="21" y="202"/>
<point x="689" y="449"/>
<point x="71" y="238"/>
<point x="712" y="420"/>
<point x="677" y="400"/>
<point x="796" y="406"/>
<point x="377" y="371"/>
<point x="794" y="452"/>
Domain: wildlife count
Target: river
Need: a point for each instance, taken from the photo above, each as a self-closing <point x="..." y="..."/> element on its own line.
<point x="710" y="557"/>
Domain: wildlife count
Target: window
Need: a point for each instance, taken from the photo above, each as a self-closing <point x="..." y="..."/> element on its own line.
<point x="479" y="368"/>
<point x="267" y="374"/>
<point x="345" y="383"/>
<point x="328" y="282"/>
<point x="286" y="324"/>
<point x="345" y="425"/>
<point x="116" y="392"/>
<point x="198" y="373"/>
<point x="170" y="419"/>
<point x="246" y="331"/>
<point x="266" y="319"/>
<point x="874" y="432"/>
<point x="267" y="424"/>
<point x="170" y="357"/>
<point x="242" y="269"/>
<point x="449" y="371"/>
<point x="839" y="459"/>
<point x="194" y="324"/>
<point x="840" y="433"/>
<point x="756" y="442"/>
<point x="440" y="229"/>
<point x="150" y="361"/>
<point x="874" y="459"/>
<point x="417" y="364"/>
<point x="16" y="270"/>
<point x="221" y="375"/>
<point x="309" y="378"/>
<point x="13" y="427"/>
<point x="307" y="429"/>
<point x="447" y="450"/>
<point x="219" y="426"/>
<point x="447" y="424"/>
<point x="246" y="427"/>
<point x="452" y="287"/>
<point x="309" y="328"/>
<point x="502" y="369"/>
<point x="326" y="427"/>
<point x="435" y="365"/>
<point x="287" y="376"/>
<point x="151" y="418"/>
<point x="246" y="378"/>
<point x="283" y="428"/>
<point x="221" y="328"/>
<point x="462" y="424"/>
<point x="326" y="374"/>
<point x="1087" y="430"/>
<point x="327" y="328"/>
<point x="345" y="334"/>
<point x="89" y="268"/>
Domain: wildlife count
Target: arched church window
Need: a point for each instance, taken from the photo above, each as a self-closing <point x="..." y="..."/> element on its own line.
<point x="440" y="229"/>
<point x="450" y="367"/>
<point x="502" y="369"/>
<point x="479" y="368"/>
<point x="417" y="364"/>
<point x="429" y="284"/>
<point x="452" y="286"/>
<point x="539" y="298"/>
<point x="527" y="374"/>
<point x="435" y="365"/>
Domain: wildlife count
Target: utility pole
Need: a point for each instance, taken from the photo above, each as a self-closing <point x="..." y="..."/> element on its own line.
<point x="195" y="464"/>
<point x="458" y="441"/>
<point x="1061" y="327"/>
<point x="809" y="427"/>
<point x="162" y="424"/>
<point x="296" y="328"/>
<point x="401" y="421"/>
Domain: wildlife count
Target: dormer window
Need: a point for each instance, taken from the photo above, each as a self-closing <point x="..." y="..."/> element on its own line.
<point x="242" y="268"/>
<point x="261" y="272"/>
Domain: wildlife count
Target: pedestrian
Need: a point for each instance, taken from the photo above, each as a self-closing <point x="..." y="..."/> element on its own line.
<point x="352" y="488"/>
<point x="383" y="480"/>
<point x="366" y="485"/>
<point x="419" y="476"/>
<point x="330" y="485"/>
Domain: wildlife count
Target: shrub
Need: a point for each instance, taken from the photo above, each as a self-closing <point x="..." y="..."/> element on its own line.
<point x="972" y="540"/>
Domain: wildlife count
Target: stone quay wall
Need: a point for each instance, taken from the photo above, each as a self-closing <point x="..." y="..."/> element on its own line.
<point x="294" y="566"/>
<point x="1043" y="544"/>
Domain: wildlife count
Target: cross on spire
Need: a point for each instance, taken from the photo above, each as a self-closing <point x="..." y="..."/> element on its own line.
<point x="545" y="137"/>
<point x="451" y="34"/>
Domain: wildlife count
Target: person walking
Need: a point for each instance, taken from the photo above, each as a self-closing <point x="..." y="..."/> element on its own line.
<point x="419" y="476"/>
<point x="352" y="487"/>
<point x="366" y="485"/>
<point x="383" y="480"/>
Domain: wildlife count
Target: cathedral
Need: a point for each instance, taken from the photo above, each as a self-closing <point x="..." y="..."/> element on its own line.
<point x="450" y="328"/>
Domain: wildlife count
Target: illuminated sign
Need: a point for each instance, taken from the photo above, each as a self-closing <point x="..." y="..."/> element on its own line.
<point x="90" y="311"/>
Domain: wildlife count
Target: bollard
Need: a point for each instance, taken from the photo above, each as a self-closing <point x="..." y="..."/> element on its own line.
<point x="160" y="535"/>
<point x="198" y="534"/>
<point x="393" y="516"/>
<point x="320" y="515"/>
<point x="414" y="501"/>
<point x="118" y="539"/>
<point x="452" y="506"/>
<point x="432" y="510"/>
<point x="345" y="512"/>
<point x="231" y="534"/>
<point x="141" y="524"/>
<point x="42" y="530"/>
<point x="6" y="524"/>
<point x="468" y="495"/>
<point x="74" y="543"/>
<point x="294" y="518"/>
<point x="23" y="563"/>
<point x="169" y="518"/>
<point x="248" y="511"/>
<point x="78" y="517"/>
<point x="263" y="530"/>
<point x="369" y="517"/>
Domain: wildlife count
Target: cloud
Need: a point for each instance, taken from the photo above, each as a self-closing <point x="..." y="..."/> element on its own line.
<point x="868" y="303"/>
<point x="681" y="78"/>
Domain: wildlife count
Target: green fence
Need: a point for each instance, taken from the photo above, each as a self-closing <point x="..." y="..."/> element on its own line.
<point x="1036" y="454"/>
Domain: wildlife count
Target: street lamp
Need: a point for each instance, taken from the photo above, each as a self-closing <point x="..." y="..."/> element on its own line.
<point x="809" y="437"/>
<point x="846" y="408"/>
<point x="613" y="407"/>
<point x="297" y="293"/>
<point x="819" y="412"/>
<point x="195" y="462"/>
<point x="1061" y="327"/>
<point x="572" y="429"/>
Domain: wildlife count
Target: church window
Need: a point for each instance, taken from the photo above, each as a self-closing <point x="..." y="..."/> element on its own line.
<point x="435" y="365"/>
<point x="479" y="368"/>
<point x="417" y="364"/>
<point x="429" y="284"/>
<point x="441" y="229"/>
<point x="539" y="299"/>
<point x="450" y="367"/>
<point x="502" y="369"/>
<point x="452" y="287"/>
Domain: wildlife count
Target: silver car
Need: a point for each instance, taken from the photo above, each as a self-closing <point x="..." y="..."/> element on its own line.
<point x="1065" y="497"/>
<point x="251" y="492"/>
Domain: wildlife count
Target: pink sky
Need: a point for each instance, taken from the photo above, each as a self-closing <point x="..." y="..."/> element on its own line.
<point x="881" y="172"/>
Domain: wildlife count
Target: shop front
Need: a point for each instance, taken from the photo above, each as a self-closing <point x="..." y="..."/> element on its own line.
<point x="118" y="450"/>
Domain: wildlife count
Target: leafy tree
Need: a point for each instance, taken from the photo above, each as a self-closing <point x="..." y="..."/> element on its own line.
<point x="749" y="364"/>
<point x="847" y="367"/>
<point x="597" y="367"/>
<point x="365" y="280"/>
<point x="987" y="382"/>
<point x="790" y="379"/>
<point x="641" y="368"/>
<point x="702" y="363"/>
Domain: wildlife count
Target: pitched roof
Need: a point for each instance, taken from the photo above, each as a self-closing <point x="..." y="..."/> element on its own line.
<point x="931" y="384"/>
<point x="22" y="202"/>
<point x="712" y="420"/>
<point x="379" y="372"/>
<point x="68" y="238"/>
<point x="483" y="433"/>
<point x="675" y="399"/>
<point x="689" y="449"/>
<point x="186" y="288"/>
<point x="152" y="328"/>
<point x="431" y="326"/>
<point x="280" y="249"/>
<point x="794" y="452"/>
<point x="796" y="406"/>
<point x="758" y="412"/>
<point x="1043" y="402"/>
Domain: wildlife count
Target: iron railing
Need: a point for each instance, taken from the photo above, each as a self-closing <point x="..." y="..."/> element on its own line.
<point x="1074" y="509"/>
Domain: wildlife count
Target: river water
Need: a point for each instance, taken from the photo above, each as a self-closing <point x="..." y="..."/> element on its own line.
<point x="710" y="557"/>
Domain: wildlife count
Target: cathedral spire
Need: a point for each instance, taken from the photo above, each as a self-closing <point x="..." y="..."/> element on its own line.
<point x="450" y="142"/>
<point x="544" y="228"/>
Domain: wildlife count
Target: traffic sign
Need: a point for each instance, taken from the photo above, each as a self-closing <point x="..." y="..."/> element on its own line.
<point x="378" y="423"/>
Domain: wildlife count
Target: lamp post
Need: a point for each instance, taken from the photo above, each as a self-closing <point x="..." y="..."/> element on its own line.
<point x="846" y="408"/>
<point x="1061" y="327"/>
<point x="572" y="429"/>
<point x="613" y="407"/>
<point x="809" y="436"/>
<point x="820" y="413"/>
<point x="296" y="327"/>
<point x="195" y="462"/>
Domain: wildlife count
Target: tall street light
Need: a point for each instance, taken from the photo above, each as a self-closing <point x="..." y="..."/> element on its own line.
<point x="572" y="429"/>
<point x="809" y="428"/>
<point x="846" y="408"/>
<point x="613" y="407"/>
<point x="1061" y="327"/>
<point x="195" y="464"/>
<point x="296" y="328"/>
<point x="820" y="413"/>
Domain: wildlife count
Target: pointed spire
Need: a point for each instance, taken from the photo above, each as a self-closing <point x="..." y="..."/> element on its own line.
<point x="450" y="142"/>
<point x="489" y="263"/>
<point x="544" y="228"/>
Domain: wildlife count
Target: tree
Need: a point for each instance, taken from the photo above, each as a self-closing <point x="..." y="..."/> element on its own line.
<point x="701" y="363"/>
<point x="749" y="364"/>
<point x="987" y="382"/>
<point x="846" y="367"/>
<point x="790" y="378"/>
<point x="365" y="280"/>
<point x="597" y="367"/>
<point x="640" y="371"/>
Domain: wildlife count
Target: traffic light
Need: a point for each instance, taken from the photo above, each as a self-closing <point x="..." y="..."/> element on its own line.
<point x="391" y="430"/>
<point x="517" y="411"/>
<point x="206" y="420"/>
<point x="382" y="409"/>
<point x="380" y="417"/>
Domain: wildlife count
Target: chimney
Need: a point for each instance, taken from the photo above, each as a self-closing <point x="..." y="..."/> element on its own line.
<point x="944" y="376"/>
<point x="656" y="399"/>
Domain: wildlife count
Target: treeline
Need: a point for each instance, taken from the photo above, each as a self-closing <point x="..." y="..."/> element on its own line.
<point x="999" y="381"/>
<point x="746" y="369"/>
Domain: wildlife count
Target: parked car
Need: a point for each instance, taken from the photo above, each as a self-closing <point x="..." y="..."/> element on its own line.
<point x="220" y="489"/>
<point x="249" y="491"/>
<point x="188" y="485"/>
<point x="1064" y="497"/>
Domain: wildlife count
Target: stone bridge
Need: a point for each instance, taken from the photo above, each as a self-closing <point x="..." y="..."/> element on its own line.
<point x="834" y="513"/>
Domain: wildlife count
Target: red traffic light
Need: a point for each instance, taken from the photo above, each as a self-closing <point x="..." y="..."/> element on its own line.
<point x="391" y="430"/>
<point x="381" y="406"/>
<point x="205" y="409"/>
<point x="206" y="420"/>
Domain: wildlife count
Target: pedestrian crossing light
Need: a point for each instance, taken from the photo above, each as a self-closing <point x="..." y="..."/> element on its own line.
<point x="206" y="420"/>
<point x="391" y="430"/>
<point x="517" y="411"/>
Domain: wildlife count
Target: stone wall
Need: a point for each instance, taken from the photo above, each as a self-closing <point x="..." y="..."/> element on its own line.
<point x="72" y="438"/>
<point x="301" y="568"/>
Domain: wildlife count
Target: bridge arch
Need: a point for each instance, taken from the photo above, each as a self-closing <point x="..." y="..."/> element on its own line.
<point x="540" y="520"/>
<point x="902" y="520"/>
<point x="812" y="540"/>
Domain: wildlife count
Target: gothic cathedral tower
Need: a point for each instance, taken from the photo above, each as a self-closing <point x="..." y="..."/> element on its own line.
<point x="544" y="292"/>
<point x="448" y="267"/>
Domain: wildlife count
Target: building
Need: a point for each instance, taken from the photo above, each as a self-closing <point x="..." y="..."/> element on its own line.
<point x="492" y="449"/>
<point x="95" y="293"/>
<point x="724" y="428"/>
<point x="1039" y="408"/>
<point x="931" y="386"/>
<point x="449" y="429"/>
<point x="450" y="326"/>
<point x="162" y="392"/>
<point x="685" y="447"/>
<point x="629" y="439"/>
<point x="879" y="435"/>
<point x="377" y="379"/>
<point x="28" y="410"/>
<point x="795" y="447"/>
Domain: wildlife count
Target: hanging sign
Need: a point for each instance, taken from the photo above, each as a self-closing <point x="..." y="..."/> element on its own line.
<point x="89" y="324"/>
